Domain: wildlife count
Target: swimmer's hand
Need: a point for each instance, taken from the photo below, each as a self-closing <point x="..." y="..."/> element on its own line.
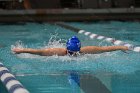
<point x="17" y="50"/>
<point x="124" y="49"/>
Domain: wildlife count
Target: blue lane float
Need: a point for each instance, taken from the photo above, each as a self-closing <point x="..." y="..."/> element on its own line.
<point x="10" y="82"/>
<point x="100" y="37"/>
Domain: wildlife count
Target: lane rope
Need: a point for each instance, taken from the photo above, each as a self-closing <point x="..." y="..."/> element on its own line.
<point x="10" y="82"/>
<point x="100" y="37"/>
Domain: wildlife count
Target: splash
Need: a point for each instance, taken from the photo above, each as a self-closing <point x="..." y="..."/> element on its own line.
<point x="18" y="44"/>
<point x="55" y="42"/>
<point x="104" y="62"/>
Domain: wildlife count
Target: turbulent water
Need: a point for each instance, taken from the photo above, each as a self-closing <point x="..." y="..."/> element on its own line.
<point x="111" y="62"/>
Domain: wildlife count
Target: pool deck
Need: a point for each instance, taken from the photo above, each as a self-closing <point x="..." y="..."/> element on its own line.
<point x="42" y="15"/>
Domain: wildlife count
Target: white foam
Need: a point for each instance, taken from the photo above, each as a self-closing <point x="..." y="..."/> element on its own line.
<point x="137" y="49"/>
<point x="128" y="45"/>
<point x="27" y="55"/>
<point x="118" y="42"/>
<point x="55" y="42"/>
<point x="18" y="44"/>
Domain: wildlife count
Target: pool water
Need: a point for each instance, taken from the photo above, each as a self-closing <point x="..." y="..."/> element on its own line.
<point x="110" y="72"/>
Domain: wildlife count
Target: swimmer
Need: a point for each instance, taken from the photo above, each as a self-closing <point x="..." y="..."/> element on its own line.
<point x="73" y="46"/>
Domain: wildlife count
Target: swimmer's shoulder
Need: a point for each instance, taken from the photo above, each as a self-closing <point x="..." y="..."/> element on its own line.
<point x="61" y="51"/>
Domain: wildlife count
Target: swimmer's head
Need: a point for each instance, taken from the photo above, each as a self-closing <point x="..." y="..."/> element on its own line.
<point x="73" y="44"/>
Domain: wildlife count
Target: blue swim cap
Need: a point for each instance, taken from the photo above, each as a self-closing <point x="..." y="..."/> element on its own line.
<point x="73" y="44"/>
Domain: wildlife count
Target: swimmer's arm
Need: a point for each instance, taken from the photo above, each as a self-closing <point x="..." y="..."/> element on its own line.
<point x="27" y="50"/>
<point x="96" y="49"/>
<point x="44" y="52"/>
<point x="113" y="48"/>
